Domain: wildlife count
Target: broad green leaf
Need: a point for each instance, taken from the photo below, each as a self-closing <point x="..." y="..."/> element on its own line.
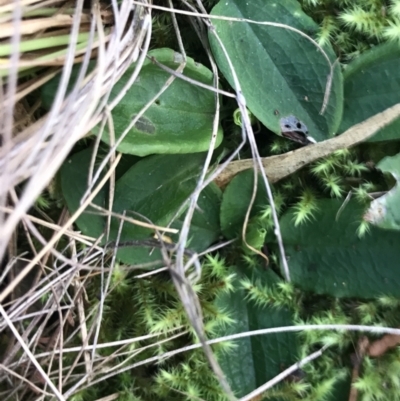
<point x="179" y="121"/>
<point x="255" y="359"/>
<point x="155" y="187"/>
<point x="384" y="212"/>
<point x="371" y="85"/>
<point x="205" y="227"/>
<point x="281" y="72"/>
<point x="74" y="181"/>
<point x="235" y="201"/>
<point x="389" y="133"/>
<point x="326" y="256"/>
<point x="49" y="89"/>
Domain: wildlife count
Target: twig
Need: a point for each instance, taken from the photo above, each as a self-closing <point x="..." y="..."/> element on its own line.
<point x="23" y="379"/>
<point x="287" y="372"/>
<point x="32" y="358"/>
<point x="281" y="166"/>
<point x="248" y="131"/>
<point x="57" y="236"/>
<point x="370" y="329"/>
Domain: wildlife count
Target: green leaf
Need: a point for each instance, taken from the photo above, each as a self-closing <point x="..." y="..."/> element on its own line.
<point x="235" y="201"/>
<point x="371" y="85"/>
<point x="205" y="226"/>
<point x="74" y="180"/>
<point x="179" y="121"/>
<point x="49" y="89"/>
<point x="255" y="359"/>
<point x="281" y="72"/>
<point x="384" y="212"/>
<point x="326" y="256"/>
<point x="155" y="187"/>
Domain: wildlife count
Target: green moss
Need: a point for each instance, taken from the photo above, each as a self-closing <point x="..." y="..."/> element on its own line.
<point x="136" y="307"/>
<point x="354" y="26"/>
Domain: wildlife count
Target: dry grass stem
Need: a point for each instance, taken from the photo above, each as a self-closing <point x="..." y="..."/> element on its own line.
<point x="55" y="331"/>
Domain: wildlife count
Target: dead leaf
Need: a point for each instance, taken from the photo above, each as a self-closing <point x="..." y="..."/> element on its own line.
<point x="381" y="346"/>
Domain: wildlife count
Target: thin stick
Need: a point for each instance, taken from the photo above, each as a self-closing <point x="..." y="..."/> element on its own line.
<point x="278" y="167"/>
<point x="281" y="376"/>
<point x="256" y="157"/>
<point x="56" y="237"/>
<point x="23" y="379"/>
<point x="32" y="358"/>
<point x="119" y="343"/>
<point x="155" y="359"/>
<point x="232" y="19"/>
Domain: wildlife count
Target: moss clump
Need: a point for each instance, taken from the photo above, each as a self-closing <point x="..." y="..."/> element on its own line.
<point x="354" y="26"/>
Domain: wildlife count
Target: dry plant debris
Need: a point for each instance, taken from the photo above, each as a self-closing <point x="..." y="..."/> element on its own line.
<point x="281" y="166"/>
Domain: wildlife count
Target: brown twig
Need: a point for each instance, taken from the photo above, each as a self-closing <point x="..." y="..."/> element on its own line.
<point x="281" y="166"/>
